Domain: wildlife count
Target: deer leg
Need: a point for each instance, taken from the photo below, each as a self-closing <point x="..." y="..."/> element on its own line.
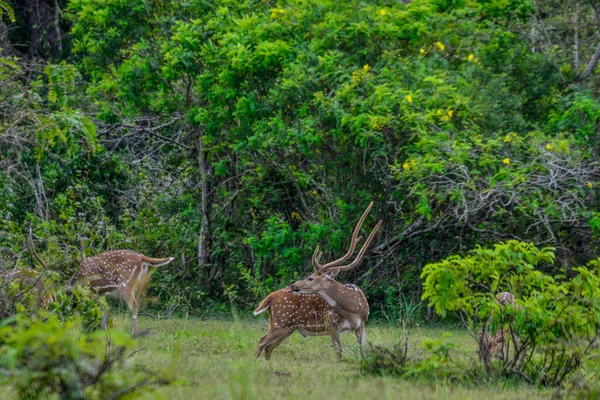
<point x="130" y="298"/>
<point x="105" y="319"/>
<point x="335" y="339"/>
<point x="134" y="313"/>
<point x="505" y="344"/>
<point x="362" y="338"/>
<point x="270" y="338"/>
<point x="269" y="348"/>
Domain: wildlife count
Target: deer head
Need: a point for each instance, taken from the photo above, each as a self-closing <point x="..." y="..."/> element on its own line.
<point x="323" y="278"/>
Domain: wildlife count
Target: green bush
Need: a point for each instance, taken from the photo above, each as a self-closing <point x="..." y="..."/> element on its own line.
<point x="381" y="360"/>
<point x="551" y="329"/>
<point x="25" y="290"/>
<point x="431" y="360"/>
<point x="40" y="356"/>
<point x="81" y="304"/>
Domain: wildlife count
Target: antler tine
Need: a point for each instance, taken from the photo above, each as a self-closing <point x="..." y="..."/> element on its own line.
<point x="353" y="242"/>
<point x="361" y="253"/>
<point x="315" y="259"/>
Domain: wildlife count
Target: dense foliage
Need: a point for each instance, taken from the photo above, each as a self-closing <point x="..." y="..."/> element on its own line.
<point x="239" y="135"/>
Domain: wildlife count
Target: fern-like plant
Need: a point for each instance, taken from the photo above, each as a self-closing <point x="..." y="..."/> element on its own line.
<point x="6" y="9"/>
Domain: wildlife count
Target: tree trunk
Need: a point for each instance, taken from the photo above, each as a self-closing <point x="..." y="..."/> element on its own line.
<point x="591" y="66"/>
<point x="205" y="203"/>
<point x="6" y="48"/>
<point x="42" y="20"/>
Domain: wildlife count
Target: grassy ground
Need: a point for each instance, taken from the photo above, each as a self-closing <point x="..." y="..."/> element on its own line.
<point x="213" y="359"/>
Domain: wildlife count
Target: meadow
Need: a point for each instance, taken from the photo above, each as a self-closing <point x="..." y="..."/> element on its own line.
<point x="214" y="359"/>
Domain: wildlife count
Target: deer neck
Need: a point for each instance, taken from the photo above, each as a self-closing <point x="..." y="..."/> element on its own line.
<point x="346" y="301"/>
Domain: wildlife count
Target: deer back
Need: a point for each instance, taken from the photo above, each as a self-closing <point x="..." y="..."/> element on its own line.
<point x="113" y="270"/>
<point x="308" y="312"/>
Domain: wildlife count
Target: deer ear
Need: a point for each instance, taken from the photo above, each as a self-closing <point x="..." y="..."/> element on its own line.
<point x="333" y="273"/>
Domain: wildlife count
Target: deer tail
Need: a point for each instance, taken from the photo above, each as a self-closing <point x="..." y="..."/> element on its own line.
<point x="156" y="262"/>
<point x="264" y="305"/>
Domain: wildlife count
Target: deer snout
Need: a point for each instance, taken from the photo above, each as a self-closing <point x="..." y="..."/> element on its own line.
<point x="294" y="288"/>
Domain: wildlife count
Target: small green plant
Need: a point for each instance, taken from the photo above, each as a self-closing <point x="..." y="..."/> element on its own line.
<point x="41" y="356"/>
<point x="381" y="360"/>
<point x="80" y="303"/>
<point x="25" y="290"/>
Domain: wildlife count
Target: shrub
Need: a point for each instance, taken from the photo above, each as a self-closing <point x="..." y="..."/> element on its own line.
<point x="381" y="360"/>
<point x="431" y="360"/>
<point x="40" y="356"/>
<point x="80" y="303"/>
<point x="549" y="331"/>
<point x="24" y="289"/>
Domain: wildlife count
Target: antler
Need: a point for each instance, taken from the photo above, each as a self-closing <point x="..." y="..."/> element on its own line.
<point x="361" y="253"/>
<point x="334" y="264"/>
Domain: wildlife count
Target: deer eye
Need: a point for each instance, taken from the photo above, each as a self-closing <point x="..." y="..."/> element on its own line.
<point x="310" y="278"/>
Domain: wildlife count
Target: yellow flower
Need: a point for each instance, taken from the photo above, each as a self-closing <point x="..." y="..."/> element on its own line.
<point x="295" y="215"/>
<point x="366" y="67"/>
<point x="277" y="12"/>
<point x="408" y="98"/>
<point x="471" y="57"/>
<point x="440" y="46"/>
<point x="314" y="192"/>
<point x="450" y="113"/>
<point x="382" y="12"/>
<point x="507" y="139"/>
<point x="422" y="51"/>
<point x="476" y="60"/>
<point x="590" y="185"/>
<point x="549" y="146"/>
<point x="506" y="161"/>
<point x="406" y="165"/>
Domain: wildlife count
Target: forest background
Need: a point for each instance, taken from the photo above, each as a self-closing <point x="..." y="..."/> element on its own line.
<point x="238" y="135"/>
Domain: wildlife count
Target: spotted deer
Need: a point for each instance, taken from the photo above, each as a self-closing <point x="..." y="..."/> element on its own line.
<point x="319" y="305"/>
<point x="123" y="273"/>
<point x="489" y="346"/>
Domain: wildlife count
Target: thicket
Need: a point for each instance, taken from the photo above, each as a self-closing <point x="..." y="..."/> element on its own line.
<point x="239" y="135"/>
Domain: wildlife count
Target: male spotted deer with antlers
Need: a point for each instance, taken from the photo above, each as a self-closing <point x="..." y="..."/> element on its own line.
<point x="124" y="273"/>
<point x="319" y="305"/>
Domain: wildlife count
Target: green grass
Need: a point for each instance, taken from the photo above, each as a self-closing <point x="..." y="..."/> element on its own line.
<point x="214" y="359"/>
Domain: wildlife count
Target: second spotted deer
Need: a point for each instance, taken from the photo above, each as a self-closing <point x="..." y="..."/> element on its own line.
<point x="124" y="273"/>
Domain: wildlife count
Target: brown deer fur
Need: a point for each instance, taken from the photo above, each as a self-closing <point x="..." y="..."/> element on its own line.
<point x="124" y="273"/>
